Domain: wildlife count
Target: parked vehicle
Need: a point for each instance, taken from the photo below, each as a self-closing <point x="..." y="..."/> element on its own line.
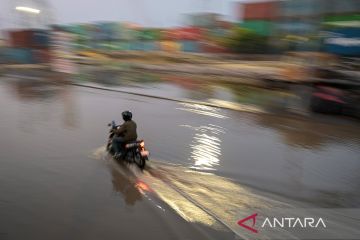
<point x="336" y="100"/>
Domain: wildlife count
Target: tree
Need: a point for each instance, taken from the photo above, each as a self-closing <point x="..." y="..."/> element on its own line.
<point x="242" y="40"/>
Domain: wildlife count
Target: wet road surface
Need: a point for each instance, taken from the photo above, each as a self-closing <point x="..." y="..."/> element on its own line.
<point x="207" y="165"/>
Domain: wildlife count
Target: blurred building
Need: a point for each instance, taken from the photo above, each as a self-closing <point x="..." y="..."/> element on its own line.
<point x="304" y="25"/>
<point x="198" y="36"/>
<point x="202" y="20"/>
<point x="213" y="27"/>
<point x="26" y="38"/>
<point x="288" y="25"/>
<point x="259" y="16"/>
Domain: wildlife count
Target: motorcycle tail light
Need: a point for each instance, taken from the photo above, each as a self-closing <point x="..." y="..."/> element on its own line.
<point x="144" y="153"/>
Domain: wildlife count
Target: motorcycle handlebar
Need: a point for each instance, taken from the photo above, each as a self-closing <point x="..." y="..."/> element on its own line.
<point x="112" y="124"/>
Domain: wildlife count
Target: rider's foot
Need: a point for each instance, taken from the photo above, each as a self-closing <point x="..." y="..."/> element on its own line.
<point x="117" y="155"/>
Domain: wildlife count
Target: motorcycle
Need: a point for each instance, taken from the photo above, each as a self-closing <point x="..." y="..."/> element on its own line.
<point x="134" y="152"/>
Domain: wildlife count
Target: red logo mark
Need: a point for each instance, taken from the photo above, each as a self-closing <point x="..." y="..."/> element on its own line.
<point x="253" y="217"/>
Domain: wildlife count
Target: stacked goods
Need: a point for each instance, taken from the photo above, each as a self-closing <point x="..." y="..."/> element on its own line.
<point x="301" y="9"/>
<point x="147" y="34"/>
<point x="20" y="39"/>
<point x="203" y="20"/>
<point x="223" y="28"/>
<point x="169" y="39"/>
<point x="343" y="41"/>
<point x="188" y="38"/>
<point x="189" y="33"/>
<point x="156" y="34"/>
<point x="346" y="20"/>
<point x="122" y="36"/>
<point x="210" y="47"/>
<point x="170" y="46"/>
<point x="213" y="39"/>
<point x="28" y="46"/>
<point x="117" y="31"/>
<point x="146" y="40"/>
<point x="185" y="33"/>
<point x="170" y="34"/>
<point x="108" y="31"/>
<point x="26" y="55"/>
<point x="299" y="24"/>
<point x="189" y="46"/>
<point x="262" y="27"/>
<point x="133" y="32"/>
<point x="259" y="16"/>
<point x="336" y="7"/>
<point x="144" y="46"/>
<point x="17" y="55"/>
<point x="342" y="34"/>
<point x="103" y="32"/>
<point x="222" y="24"/>
<point x="90" y="34"/>
<point x="103" y="45"/>
<point x="151" y="46"/>
<point x="260" y="11"/>
<point x="296" y="27"/>
<point x="304" y="20"/>
<point x="77" y="29"/>
<point x="81" y="35"/>
<point x="129" y="32"/>
<point x="122" y="46"/>
<point x="136" y="46"/>
<point x="177" y="39"/>
<point x="41" y="55"/>
<point x="40" y="39"/>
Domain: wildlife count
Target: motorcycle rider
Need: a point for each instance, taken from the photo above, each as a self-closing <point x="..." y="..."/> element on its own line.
<point x="124" y="134"/>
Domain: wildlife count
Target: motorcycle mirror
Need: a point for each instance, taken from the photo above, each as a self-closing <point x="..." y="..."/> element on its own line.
<point x="109" y="124"/>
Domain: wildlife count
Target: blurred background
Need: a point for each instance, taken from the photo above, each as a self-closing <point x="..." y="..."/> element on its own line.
<point x="308" y="49"/>
<point x="242" y="104"/>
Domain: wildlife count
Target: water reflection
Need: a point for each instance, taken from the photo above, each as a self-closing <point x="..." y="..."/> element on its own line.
<point x="39" y="101"/>
<point x="302" y="133"/>
<point x="202" y="110"/>
<point x="117" y="76"/>
<point x="161" y="180"/>
<point x="206" y="146"/>
<point x="122" y="183"/>
<point x="34" y="90"/>
<point x="70" y="111"/>
<point x="205" y="197"/>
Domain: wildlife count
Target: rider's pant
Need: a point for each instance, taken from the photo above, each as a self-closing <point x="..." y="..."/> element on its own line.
<point x="117" y="144"/>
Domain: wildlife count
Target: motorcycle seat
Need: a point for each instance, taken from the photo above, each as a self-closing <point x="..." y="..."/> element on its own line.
<point x="136" y="141"/>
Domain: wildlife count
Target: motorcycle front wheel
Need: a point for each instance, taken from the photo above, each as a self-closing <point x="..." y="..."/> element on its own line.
<point x="110" y="149"/>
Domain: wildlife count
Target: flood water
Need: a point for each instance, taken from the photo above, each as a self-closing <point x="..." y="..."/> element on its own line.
<point x="57" y="182"/>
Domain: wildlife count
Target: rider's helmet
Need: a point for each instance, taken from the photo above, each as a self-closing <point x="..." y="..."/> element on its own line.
<point x="126" y="115"/>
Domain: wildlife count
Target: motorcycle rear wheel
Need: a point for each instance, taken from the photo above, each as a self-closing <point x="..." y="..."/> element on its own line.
<point x="139" y="160"/>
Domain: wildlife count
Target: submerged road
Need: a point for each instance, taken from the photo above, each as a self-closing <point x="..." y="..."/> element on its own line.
<point x="208" y="165"/>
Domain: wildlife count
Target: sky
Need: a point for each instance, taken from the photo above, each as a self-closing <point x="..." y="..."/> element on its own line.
<point x="161" y="13"/>
<point x="149" y="13"/>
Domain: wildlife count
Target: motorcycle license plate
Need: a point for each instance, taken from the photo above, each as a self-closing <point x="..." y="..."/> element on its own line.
<point x="144" y="153"/>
